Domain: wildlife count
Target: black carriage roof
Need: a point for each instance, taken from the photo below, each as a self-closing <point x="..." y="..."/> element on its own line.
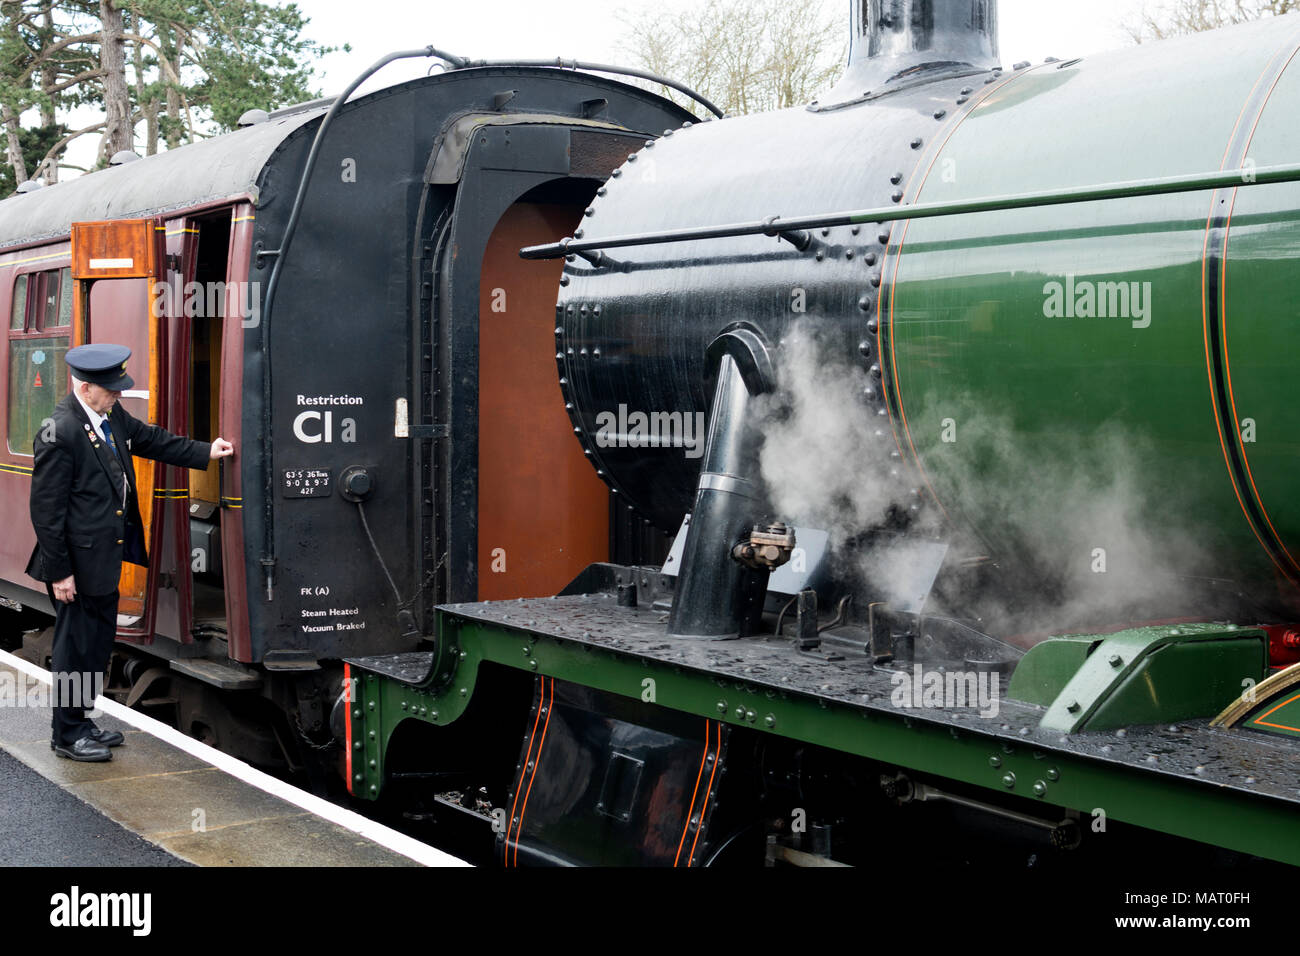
<point x="210" y="170"/>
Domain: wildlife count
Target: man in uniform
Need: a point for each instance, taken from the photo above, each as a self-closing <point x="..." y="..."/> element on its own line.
<point x="87" y="522"/>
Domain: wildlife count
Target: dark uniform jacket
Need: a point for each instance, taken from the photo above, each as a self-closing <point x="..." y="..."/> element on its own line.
<point x="82" y="526"/>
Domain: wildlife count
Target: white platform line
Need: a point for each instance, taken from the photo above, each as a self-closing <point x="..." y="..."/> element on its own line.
<point x="350" y="820"/>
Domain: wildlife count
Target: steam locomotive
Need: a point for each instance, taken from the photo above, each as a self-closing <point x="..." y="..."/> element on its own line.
<point x="983" y="535"/>
<point x="894" y="436"/>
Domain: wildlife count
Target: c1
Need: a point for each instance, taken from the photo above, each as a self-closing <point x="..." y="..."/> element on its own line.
<point x="347" y="428"/>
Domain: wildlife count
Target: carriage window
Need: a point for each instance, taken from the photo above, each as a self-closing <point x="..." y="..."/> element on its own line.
<point x="65" y="297"/>
<point x="38" y="341"/>
<point x="18" y="313"/>
<point x="49" y="317"/>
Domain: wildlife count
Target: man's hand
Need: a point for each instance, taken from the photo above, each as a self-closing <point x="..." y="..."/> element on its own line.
<point x="220" y="449"/>
<point x="65" y="590"/>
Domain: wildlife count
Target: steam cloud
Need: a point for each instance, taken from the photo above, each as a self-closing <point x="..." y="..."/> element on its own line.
<point x="1050" y="533"/>
<point x="825" y="455"/>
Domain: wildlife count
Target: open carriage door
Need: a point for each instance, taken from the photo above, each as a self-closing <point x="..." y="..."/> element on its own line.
<point x="115" y="266"/>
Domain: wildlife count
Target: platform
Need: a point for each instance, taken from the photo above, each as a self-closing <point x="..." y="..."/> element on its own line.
<point x="41" y="824"/>
<point x="195" y="803"/>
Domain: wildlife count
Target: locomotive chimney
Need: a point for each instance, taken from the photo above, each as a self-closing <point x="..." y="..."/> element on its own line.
<point x="893" y="40"/>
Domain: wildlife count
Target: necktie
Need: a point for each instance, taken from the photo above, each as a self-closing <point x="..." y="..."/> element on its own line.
<point x="107" y="432"/>
<point x="108" y="437"/>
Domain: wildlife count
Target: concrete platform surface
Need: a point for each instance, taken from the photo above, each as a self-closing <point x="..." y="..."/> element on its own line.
<point x="197" y="804"/>
<point x="41" y="824"/>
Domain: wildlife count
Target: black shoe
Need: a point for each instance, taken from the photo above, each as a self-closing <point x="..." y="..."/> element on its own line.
<point x="109" y="738"/>
<point x="86" y="749"/>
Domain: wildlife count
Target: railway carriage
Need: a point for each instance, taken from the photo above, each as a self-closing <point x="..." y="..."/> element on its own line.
<point x="379" y="408"/>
